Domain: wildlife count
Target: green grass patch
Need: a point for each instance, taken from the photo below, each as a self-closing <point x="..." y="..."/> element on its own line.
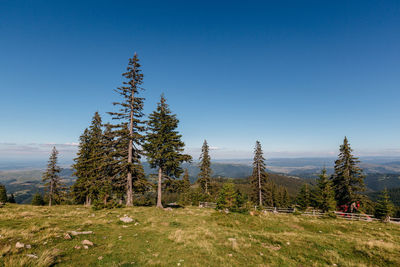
<point x="190" y="237"/>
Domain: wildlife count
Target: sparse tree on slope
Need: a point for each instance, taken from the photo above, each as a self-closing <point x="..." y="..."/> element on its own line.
<point x="3" y="194"/>
<point x="259" y="178"/>
<point x="325" y="195"/>
<point x="128" y="131"/>
<point x="348" y="179"/>
<point x="52" y="178"/>
<point x="163" y="146"/>
<point x="205" y="168"/>
<point x="384" y="206"/>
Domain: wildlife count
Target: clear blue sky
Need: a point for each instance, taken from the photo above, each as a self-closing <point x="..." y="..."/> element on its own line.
<point x="296" y="75"/>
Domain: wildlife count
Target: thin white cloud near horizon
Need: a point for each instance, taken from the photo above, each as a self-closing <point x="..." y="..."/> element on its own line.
<point x="68" y="152"/>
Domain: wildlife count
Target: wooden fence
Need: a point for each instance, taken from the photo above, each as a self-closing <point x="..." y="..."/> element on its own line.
<point x="210" y="205"/>
<point x="340" y="215"/>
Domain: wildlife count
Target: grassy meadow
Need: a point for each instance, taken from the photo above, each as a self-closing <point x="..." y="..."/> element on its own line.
<point x="189" y="237"/>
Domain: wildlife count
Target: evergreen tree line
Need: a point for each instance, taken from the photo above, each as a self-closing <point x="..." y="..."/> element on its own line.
<point x="109" y="170"/>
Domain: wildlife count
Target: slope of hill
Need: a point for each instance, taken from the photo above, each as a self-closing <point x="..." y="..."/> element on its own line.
<point x="190" y="237"/>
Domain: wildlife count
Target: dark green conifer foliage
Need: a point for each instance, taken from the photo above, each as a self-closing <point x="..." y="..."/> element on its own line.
<point x="348" y="179"/>
<point x="262" y="187"/>
<point x="11" y="199"/>
<point x="127" y="132"/>
<point x="325" y="196"/>
<point x="229" y="198"/>
<point x="3" y="194"/>
<point x="205" y="168"/>
<point x="52" y="178"/>
<point x="285" y="198"/>
<point x="163" y="146"/>
<point x="303" y="199"/>
<point x="384" y="207"/>
<point x="37" y="200"/>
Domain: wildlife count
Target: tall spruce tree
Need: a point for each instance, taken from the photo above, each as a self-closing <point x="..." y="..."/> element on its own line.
<point x="205" y="168"/>
<point x="163" y="146"/>
<point x="99" y="177"/>
<point x="128" y="131"/>
<point x="3" y="194"/>
<point x="325" y="196"/>
<point x="81" y="189"/>
<point x="88" y="164"/>
<point x="52" y="178"/>
<point x="348" y="178"/>
<point x="262" y="189"/>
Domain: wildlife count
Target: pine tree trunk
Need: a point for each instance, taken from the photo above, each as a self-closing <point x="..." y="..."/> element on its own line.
<point x="259" y="185"/>
<point x="159" y="204"/>
<point x="87" y="200"/>
<point x="51" y="193"/>
<point x="129" y="190"/>
<point x="206" y="187"/>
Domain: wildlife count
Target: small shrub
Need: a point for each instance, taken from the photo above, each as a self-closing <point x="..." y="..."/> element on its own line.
<point x="37" y="200"/>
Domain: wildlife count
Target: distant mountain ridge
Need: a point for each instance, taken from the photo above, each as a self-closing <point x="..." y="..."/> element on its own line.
<point x="380" y="173"/>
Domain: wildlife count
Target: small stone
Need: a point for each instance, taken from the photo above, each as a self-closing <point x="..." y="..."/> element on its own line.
<point x="261" y="254"/>
<point x="126" y="219"/>
<point x="19" y="245"/>
<point x="45" y="243"/>
<point x="28" y="246"/>
<point x="136" y="223"/>
<point x="100" y="258"/>
<point x="32" y="256"/>
<point x="124" y="226"/>
<point x="85" y="247"/>
<point x="87" y="242"/>
<point x="67" y="236"/>
<point x="77" y="247"/>
<point x="232" y="239"/>
<point x="179" y="264"/>
<point x="288" y="243"/>
<point x="81" y="233"/>
<point x="168" y="209"/>
<point x="230" y="255"/>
